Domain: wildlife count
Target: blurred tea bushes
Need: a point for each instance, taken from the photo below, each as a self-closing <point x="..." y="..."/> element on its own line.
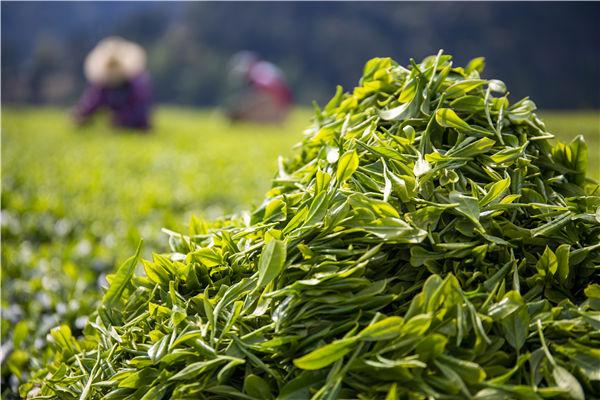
<point x="77" y="200"/>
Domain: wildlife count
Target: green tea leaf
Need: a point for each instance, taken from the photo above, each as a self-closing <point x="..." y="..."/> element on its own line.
<point x="325" y="355"/>
<point x="562" y="259"/>
<point x="476" y="64"/>
<point x="467" y="206"/>
<point x="547" y="262"/>
<point x="194" y="369"/>
<point x="463" y="87"/>
<point x="578" y="158"/>
<point x="469" y="371"/>
<point x="272" y="261"/>
<point x="257" y="387"/>
<point x="447" y="118"/>
<point x="399" y="112"/>
<point x="387" y="328"/>
<point x="494" y="192"/>
<point x="566" y="381"/>
<point x="121" y="279"/>
<point x="511" y="313"/>
<point x="347" y="164"/>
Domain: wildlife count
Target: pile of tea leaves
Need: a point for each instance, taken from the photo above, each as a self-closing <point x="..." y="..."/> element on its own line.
<point x="428" y="241"/>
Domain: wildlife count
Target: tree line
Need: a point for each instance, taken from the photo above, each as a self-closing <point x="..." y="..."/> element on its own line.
<point x="546" y="50"/>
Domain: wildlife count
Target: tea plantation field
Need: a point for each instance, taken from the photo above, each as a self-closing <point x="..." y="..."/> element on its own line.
<point x="77" y="200"/>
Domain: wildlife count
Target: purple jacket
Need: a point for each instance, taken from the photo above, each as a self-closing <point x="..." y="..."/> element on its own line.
<point x="129" y="102"/>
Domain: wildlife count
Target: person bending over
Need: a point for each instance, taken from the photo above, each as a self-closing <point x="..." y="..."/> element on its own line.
<point x="257" y="90"/>
<point x="118" y="81"/>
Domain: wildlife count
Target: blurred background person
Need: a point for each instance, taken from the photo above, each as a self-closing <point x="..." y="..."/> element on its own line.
<point x="257" y="90"/>
<point x="117" y="80"/>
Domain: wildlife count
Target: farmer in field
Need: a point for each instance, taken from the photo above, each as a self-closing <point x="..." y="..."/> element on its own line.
<point x="257" y="90"/>
<point x="118" y="81"/>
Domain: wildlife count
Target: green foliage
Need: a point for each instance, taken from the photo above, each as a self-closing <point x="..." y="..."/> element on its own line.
<point x="578" y="123"/>
<point x="386" y="272"/>
<point x="74" y="201"/>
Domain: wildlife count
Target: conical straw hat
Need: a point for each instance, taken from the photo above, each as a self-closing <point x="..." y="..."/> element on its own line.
<point x="113" y="61"/>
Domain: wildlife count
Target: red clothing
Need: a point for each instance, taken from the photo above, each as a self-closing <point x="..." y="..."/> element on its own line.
<point x="257" y="90"/>
<point x="265" y="76"/>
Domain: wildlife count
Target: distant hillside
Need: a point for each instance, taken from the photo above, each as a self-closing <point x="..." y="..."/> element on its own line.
<point x="549" y="51"/>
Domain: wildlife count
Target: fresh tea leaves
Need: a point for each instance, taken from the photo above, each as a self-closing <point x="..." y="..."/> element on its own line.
<point x="428" y="240"/>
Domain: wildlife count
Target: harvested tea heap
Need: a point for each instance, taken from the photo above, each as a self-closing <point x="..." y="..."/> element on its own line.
<point x="428" y="240"/>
